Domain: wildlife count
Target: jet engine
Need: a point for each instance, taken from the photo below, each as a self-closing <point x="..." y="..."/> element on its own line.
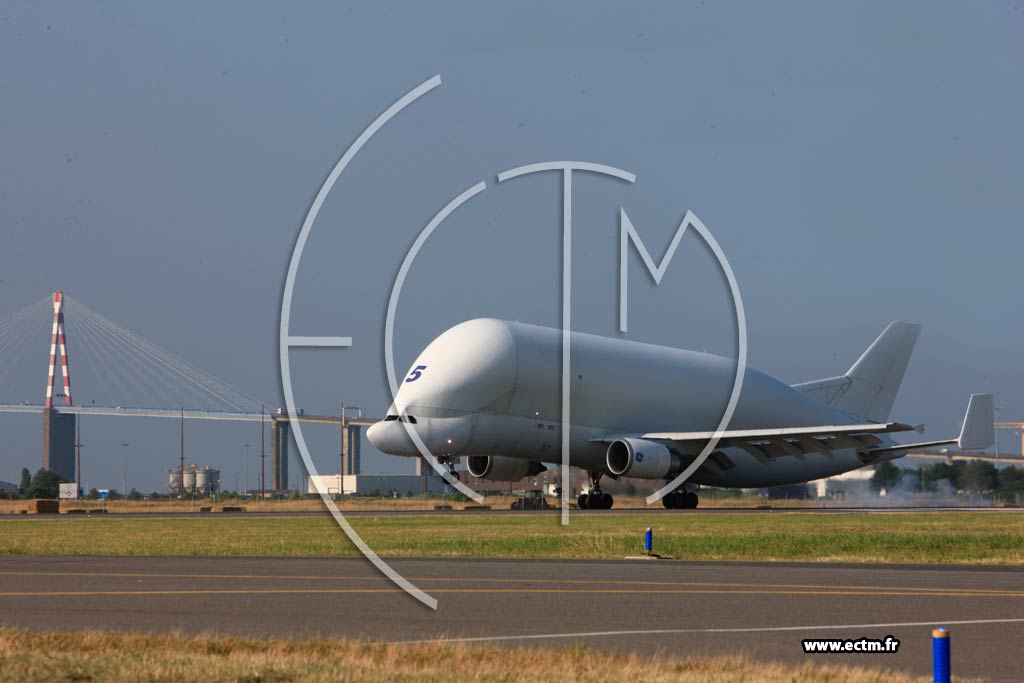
<point x="502" y="468"/>
<point x="642" y="459"/>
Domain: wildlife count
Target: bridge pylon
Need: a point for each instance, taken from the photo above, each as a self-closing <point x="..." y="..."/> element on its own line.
<point x="59" y="339"/>
<point x="59" y="428"/>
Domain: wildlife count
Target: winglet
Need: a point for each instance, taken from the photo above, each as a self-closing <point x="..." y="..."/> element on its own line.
<point x="978" y="431"/>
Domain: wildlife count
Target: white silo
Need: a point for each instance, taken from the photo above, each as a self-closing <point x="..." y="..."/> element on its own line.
<point x="190" y="478"/>
<point x="174" y="480"/>
<point x="202" y="479"/>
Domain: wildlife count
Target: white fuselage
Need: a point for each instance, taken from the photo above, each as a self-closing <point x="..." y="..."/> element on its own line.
<point x="491" y="387"/>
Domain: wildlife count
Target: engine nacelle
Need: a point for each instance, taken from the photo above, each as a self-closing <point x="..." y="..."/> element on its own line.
<point x="642" y="459"/>
<point x="502" y="468"/>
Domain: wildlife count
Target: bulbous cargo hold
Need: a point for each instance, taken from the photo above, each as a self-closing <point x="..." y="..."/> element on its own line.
<point x="489" y="386"/>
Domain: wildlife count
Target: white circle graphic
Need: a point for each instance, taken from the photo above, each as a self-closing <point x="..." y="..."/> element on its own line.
<point x="285" y="339"/>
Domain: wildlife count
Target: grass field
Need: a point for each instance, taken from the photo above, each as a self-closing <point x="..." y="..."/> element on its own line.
<point x="416" y="503"/>
<point x="100" y="657"/>
<point x="903" y="537"/>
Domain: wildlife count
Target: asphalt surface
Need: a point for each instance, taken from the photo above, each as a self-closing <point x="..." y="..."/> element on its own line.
<point x="647" y="606"/>
<point x="252" y="512"/>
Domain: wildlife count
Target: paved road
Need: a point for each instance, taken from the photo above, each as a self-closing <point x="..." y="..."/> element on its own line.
<point x="252" y="512"/>
<point x="684" y="608"/>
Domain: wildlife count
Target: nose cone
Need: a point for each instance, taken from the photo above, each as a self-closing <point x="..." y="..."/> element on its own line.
<point x="440" y="435"/>
<point x="373" y="435"/>
<point x="390" y="437"/>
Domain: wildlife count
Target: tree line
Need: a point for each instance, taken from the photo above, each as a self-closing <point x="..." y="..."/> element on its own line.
<point x="974" y="476"/>
<point x="45" y="484"/>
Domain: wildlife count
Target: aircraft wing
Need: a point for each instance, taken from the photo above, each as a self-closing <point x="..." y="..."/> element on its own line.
<point x="768" y="444"/>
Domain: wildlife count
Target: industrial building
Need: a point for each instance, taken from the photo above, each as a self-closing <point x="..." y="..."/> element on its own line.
<point x="378" y="484"/>
<point x="198" y="480"/>
<point x="852" y="483"/>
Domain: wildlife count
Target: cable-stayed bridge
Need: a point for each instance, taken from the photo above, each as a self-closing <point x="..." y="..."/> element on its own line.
<point x="133" y="377"/>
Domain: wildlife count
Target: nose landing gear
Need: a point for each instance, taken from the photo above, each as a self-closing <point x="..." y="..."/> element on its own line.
<point x="448" y="461"/>
<point x="595" y="499"/>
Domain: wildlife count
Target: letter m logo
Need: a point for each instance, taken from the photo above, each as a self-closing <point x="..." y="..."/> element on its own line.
<point x="627" y="234"/>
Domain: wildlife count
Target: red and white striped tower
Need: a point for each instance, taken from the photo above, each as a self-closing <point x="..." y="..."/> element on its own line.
<point x="58" y="338"/>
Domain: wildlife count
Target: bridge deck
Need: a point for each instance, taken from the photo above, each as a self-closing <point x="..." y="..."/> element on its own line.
<point x="187" y="414"/>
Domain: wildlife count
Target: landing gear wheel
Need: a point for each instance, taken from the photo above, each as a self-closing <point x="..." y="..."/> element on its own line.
<point x="673" y="501"/>
<point x="595" y="499"/>
<point x="680" y="500"/>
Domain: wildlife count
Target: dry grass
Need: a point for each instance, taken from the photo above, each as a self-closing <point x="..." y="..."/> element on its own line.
<point x="97" y="657"/>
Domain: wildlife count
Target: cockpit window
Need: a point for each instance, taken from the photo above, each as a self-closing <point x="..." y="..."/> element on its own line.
<point x="408" y="418"/>
<point x="390" y="418"/>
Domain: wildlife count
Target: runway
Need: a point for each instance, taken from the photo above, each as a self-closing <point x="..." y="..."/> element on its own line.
<point x="682" y="608"/>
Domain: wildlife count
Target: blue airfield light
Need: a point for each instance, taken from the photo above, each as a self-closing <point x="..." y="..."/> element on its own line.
<point x="940" y="655"/>
<point x="649" y="540"/>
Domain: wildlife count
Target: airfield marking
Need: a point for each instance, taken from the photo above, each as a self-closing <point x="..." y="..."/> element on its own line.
<point x="865" y="590"/>
<point x="602" y="591"/>
<point x="672" y="631"/>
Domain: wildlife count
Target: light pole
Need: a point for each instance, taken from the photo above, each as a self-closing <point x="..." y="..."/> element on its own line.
<point x="124" y="468"/>
<point x="245" y="467"/>
<point x="995" y="433"/>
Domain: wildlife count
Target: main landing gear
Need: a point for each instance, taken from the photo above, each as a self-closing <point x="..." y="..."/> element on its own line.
<point x="595" y="499"/>
<point x="680" y="499"/>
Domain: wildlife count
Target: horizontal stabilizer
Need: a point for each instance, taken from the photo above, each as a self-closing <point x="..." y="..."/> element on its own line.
<point x="977" y="433"/>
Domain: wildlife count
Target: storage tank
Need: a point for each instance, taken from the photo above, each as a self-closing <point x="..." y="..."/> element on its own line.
<point x="174" y="480"/>
<point x="202" y="479"/>
<point x="213" y="478"/>
<point x="190" y="478"/>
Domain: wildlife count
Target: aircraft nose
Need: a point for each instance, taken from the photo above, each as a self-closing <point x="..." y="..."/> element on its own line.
<point x="390" y="437"/>
<point x="375" y="435"/>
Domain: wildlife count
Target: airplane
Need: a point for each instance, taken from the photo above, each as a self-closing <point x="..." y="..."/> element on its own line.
<point x="490" y="390"/>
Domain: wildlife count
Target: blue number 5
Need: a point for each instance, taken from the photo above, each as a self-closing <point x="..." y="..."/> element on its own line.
<point x="416" y="372"/>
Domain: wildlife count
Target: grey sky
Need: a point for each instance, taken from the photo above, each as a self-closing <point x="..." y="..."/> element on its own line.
<point x="859" y="164"/>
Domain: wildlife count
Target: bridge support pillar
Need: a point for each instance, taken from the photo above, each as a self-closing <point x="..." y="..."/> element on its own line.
<point x="59" y="443"/>
<point x="280" y="430"/>
<point x="352" y="437"/>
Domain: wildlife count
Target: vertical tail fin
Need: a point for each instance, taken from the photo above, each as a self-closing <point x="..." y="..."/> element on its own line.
<point x="868" y="389"/>
<point x="978" y="431"/>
